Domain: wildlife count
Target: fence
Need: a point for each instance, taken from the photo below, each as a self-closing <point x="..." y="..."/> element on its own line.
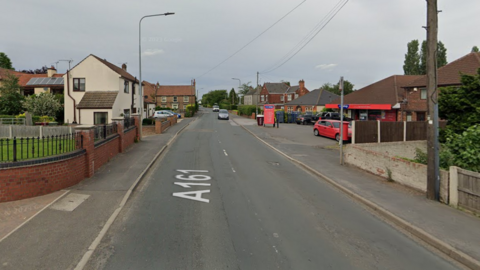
<point x="378" y="131"/>
<point x="28" y="148"/>
<point x="19" y="131"/>
<point x="12" y="121"/>
<point x="104" y="131"/>
<point x="465" y="189"/>
<point x="129" y="122"/>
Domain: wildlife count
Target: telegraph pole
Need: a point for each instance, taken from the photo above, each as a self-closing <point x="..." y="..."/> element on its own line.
<point x="433" y="174"/>
<point x="256" y="103"/>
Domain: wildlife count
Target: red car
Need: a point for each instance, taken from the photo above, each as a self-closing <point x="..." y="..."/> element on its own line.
<point x="330" y="129"/>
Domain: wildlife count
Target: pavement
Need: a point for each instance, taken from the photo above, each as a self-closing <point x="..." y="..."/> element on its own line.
<point x="450" y="231"/>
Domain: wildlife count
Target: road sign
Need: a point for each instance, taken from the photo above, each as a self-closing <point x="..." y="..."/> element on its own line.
<point x="269" y="114"/>
<point x="345" y="106"/>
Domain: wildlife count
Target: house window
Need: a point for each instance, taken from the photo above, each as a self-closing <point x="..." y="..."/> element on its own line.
<point x="184" y="107"/>
<point x="423" y="93"/>
<point x="262" y="98"/>
<point x="409" y="116"/>
<point x="175" y="106"/>
<point x="175" y="99"/>
<point x="78" y="84"/>
<point x="420" y="116"/>
<point x="282" y="98"/>
<point x="126" y="87"/>
<point x="100" y="118"/>
<point x="126" y="113"/>
<point x="185" y="98"/>
<point x="296" y="95"/>
<point x="289" y="98"/>
<point x="164" y="99"/>
<point x="283" y="108"/>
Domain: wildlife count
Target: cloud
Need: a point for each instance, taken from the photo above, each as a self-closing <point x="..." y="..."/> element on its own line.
<point x="153" y="52"/>
<point x="326" y="66"/>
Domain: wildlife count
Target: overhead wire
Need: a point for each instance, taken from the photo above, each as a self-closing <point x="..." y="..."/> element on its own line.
<point x="244" y="46"/>
<point x="307" y="39"/>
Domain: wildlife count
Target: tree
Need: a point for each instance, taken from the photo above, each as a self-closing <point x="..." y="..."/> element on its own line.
<point x="44" y="104"/>
<point x="215" y="96"/>
<point x="42" y="70"/>
<point x="11" y="103"/>
<point x="347" y="88"/>
<point x="412" y="59"/>
<point x="461" y="105"/>
<point x="244" y="88"/>
<point x="475" y="49"/>
<point x="5" y="61"/>
<point x="416" y="63"/>
<point x="233" y="97"/>
<point x="10" y="85"/>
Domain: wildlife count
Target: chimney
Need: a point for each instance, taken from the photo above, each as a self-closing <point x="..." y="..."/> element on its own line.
<point x="301" y="83"/>
<point x="51" y="71"/>
<point x="124" y="66"/>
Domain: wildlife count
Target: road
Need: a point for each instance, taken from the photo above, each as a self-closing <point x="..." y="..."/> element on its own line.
<point x="221" y="199"/>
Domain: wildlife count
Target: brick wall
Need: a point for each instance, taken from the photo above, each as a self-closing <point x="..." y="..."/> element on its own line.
<point x="26" y="179"/>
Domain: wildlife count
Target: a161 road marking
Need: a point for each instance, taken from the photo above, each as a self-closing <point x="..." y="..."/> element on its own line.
<point x="192" y="195"/>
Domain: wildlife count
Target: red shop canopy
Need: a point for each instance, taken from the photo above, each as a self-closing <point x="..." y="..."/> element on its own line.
<point x="361" y="106"/>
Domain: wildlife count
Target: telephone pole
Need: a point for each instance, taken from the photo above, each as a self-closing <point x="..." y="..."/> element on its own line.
<point x="257" y="94"/>
<point x="433" y="174"/>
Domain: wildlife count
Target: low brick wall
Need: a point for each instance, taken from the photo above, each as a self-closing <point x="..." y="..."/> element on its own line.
<point x="407" y="173"/>
<point x="30" y="178"/>
<point x="397" y="149"/>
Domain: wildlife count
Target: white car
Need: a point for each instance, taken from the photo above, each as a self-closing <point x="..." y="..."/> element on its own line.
<point x="216" y="108"/>
<point x="162" y="114"/>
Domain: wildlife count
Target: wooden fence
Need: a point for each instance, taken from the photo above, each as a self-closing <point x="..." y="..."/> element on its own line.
<point x="469" y="190"/>
<point x="378" y="131"/>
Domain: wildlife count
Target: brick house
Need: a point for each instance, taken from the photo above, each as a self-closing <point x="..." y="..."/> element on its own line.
<point x="279" y="94"/>
<point x="415" y="107"/>
<point x="378" y="101"/>
<point x="314" y="101"/>
<point x="30" y="84"/>
<point x="176" y="96"/>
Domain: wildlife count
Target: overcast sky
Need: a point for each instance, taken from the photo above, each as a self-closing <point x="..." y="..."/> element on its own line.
<point x="365" y="42"/>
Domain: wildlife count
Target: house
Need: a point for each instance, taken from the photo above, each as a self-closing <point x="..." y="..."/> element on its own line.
<point x="415" y="106"/>
<point x="30" y="84"/>
<point x="378" y="101"/>
<point x="176" y="96"/>
<point x="313" y="101"/>
<point x="279" y="94"/>
<point x="150" y="92"/>
<point x="97" y="91"/>
<point x="252" y="96"/>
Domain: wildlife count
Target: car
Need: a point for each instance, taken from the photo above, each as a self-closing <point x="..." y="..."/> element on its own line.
<point x="304" y="119"/>
<point x="330" y="128"/>
<point x="177" y="114"/>
<point x="333" y="116"/>
<point x="223" y="114"/>
<point x="216" y="108"/>
<point x="162" y="114"/>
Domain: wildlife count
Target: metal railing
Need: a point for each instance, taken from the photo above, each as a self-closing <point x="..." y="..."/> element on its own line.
<point x="129" y="122"/>
<point x="104" y="131"/>
<point x="16" y="149"/>
<point x="12" y="121"/>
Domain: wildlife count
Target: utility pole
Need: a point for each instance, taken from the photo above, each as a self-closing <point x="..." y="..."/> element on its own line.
<point x="341" y="120"/>
<point x="433" y="175"/>
<point x="257" y="94"/>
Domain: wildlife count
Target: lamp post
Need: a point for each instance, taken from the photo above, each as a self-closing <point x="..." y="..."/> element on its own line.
<point x="239" y="84"/>
<point x="140" y="64"/>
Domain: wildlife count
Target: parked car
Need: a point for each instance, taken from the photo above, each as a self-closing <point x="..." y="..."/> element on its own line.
<point x="177" y="114"/>
<point x="162" y="114"/>
<point x="333" y="116"/>
<point x="330" y="128"/>
<point x="304" y="119"/>
<point x="223" y="114"/>
<point x="216" y="108"/>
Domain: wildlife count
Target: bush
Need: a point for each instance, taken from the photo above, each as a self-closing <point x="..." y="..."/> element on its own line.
<point x="248" y="109"/>
<point x="191" y="110"/>
<point x="148" y="121"/>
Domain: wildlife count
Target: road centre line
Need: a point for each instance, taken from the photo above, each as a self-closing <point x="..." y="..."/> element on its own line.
<point x="225" y="152"/>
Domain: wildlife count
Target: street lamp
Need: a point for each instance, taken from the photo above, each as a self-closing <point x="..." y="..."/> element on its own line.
<point x="140" y="63"/>
<point x="239" y="84"/>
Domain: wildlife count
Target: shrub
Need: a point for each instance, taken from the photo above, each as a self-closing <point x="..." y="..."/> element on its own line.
<point x="148" y="121"/>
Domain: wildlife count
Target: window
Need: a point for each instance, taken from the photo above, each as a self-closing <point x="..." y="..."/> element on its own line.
<point x="78" y="84"/>
<point x="175" y="106"/>
<point x="175" y="99"/>
<point x="282" y="98"/>
<point x="184" y="107"/>
<point x="100" y="118"/>
<point x="164" y="99"/>
<point x="283" y="108"/>
<point x="262" y="98"/>
<point x="420" y="116"/>
<point x="423" y="93"/>
<point x="185" y="98"/>
<point x="126" y="85"/>
<point x="289" y="98"/>
<point x="296" y="95"/>
<point x="126" y="113"/>
<point x="409" y="116"/>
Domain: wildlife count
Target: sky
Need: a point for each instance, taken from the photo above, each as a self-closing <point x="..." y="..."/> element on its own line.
<point x="365" y="42"/>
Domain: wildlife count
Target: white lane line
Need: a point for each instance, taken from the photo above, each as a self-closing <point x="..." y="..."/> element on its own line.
<point x="233" y="170"/>
<point x="225" y="152"/>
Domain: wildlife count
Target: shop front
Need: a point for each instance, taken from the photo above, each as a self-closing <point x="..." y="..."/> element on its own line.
<point x="369" y="112"/>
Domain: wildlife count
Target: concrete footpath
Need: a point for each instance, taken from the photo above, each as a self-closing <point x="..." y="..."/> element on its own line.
<point x="56" y="230"/>
<point x="451" y="231"/>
